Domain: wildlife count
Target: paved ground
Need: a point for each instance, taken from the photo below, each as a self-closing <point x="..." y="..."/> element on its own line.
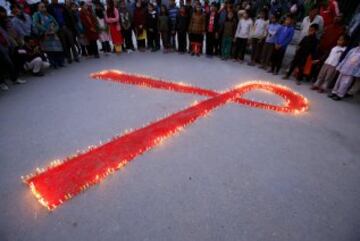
<point x="239" y="174"/>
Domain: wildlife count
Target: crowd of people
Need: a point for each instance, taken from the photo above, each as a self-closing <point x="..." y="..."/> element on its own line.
<point x="39" y="35"/>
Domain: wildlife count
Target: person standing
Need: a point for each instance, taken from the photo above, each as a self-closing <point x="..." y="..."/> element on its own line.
<point x="258" y="35"/>
<point x="284" y="38"/>
<point x="89" y="22"/>
<point x="196" y="31"/>
<point x="65" y="23"/>
<point x="152" y="28"/>
<point x="182" y="24"/>
<point x="227" y="32"/>
<point x="112" y="20"/>
<point x="46" y="28"/>
<point x="126" y="28"/>
<point x="242" y="35"/>
<point x="312" y="18"/>
<point x="21" y="21"/>
<point x="173" y="11"/>
<point x="139" y="25"/>
<point x="103" y="28"/>
<point x="212" y="31"/>
<point x="349" y="69"/>
<point x="271" y="38"/>
<point x="307" y="46"/>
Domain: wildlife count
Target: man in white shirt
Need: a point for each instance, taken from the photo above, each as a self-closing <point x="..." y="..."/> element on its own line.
<point x="313" y="17"/>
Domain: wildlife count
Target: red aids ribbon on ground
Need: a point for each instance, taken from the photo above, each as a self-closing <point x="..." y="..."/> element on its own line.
<point x="64" y="179"/>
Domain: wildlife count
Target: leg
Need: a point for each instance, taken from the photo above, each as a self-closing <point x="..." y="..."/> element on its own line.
<point x="322" y="76"/>
<point x="254" y="43"/>
<point x="342" y="85"/>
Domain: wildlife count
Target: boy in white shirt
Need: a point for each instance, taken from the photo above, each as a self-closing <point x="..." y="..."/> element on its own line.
<point x="241" y="36"/>
<point x="328" y="70"/>
<point x="258" y="35"/>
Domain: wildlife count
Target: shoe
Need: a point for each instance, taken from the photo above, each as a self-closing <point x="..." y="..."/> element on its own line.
<point x="19" y="82"/>
<point x="38" y="74"/>
<point x="285" y="77"/>
<point x="4" y="87"/>
<point x="298" y="82"/>
<point x="331" y="95"/>
<point x="77" y="60"/>
<point x="97" y="56"/>
<point x="336" y="98"/>
<point x="251" y="64"/>
<point x="314" y="87"/>
<point x="321" y="91"/>
<point x="69" y="61"/>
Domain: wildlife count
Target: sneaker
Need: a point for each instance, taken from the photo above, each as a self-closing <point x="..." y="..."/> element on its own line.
<point x="19" y="82"/>
<point x="314" y="87"/>
<point x="336" y="98"/>
<point x="321" y="91"/>
<point x="4" y="87"/>
<point x="331" y="95"/>
<point x="38" y="74"/>
<point x="285" y="77"/>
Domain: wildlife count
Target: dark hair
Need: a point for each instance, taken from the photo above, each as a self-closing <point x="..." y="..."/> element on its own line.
<point x="346" y="37"/>
<point x="110" y="9"/>
<point x="14" y="5"/>
<point x="2" y="9"/>
<point x="315" y="26"/>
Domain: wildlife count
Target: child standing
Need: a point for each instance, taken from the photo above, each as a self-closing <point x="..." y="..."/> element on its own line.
<point x="285" y="36"/>
<point x="242" y="35"/>
<point x="258" y="35"/>
<point x="349" y="69"/>
<point x="173" y="12"/>
<point x="196" y="31"/>
<point x="182" y="24"/>
<point x="152" y="28"/>
<point x="307" y="46"/>
<point x="163" y="26"/>
<point x="271" y="38"/>
<point x="103" y="29"/>
<point x="227" y="32"/>
<point x="328" y="70"/>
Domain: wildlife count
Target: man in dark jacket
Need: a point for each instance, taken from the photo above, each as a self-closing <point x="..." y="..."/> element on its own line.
<point x="67" y="25"/>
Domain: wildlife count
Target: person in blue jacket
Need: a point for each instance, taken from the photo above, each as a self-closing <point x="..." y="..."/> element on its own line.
<point x="285" y="35"/>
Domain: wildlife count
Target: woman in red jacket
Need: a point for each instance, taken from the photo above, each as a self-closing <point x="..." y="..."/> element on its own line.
<point x="89" y="22"/>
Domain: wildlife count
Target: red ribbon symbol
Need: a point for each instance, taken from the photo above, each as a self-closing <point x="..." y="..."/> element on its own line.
<point x="65" y="179"/>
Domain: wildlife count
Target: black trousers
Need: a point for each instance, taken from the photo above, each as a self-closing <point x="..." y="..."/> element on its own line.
<point x="277" y="58"/>
<point x="127" y="34"/>
<point x="93" y="48"/>
<point x="67" y="41"/>
<point x="240" y="48"/>
<point x="7" y="66"/>
<point x="182" y="41"/>
<point x="153" y="39"/>
<point x="212" y="44"/>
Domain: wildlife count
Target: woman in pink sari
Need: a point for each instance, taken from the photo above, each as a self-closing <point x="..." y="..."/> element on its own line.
<point x="112" y="19"/>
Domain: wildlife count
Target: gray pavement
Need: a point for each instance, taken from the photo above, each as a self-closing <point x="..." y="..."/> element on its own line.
<point x="239" y="174"/>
